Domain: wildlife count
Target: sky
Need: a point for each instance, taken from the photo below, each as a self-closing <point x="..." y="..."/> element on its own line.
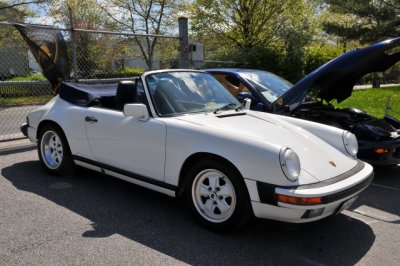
<point x="42" y="17"/>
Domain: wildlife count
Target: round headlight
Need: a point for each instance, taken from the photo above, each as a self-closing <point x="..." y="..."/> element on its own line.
<point x="290" y="163"/>
<point x="350" y="143"/>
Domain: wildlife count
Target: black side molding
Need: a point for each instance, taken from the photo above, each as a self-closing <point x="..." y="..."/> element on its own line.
<point x="126" y="173"/>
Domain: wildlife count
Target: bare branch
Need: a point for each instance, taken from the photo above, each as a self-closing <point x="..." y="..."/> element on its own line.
<point x="8" y="6"/>
<point x="112" y="16"/>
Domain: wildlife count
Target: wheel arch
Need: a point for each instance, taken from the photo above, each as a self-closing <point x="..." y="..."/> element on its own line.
<point x="43" y="123"/>
<point x="195" y="158"/>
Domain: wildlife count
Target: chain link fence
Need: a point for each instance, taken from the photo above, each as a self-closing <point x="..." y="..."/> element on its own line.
<point x="101" y="57"/>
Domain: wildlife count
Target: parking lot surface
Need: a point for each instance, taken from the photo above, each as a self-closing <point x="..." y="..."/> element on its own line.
<point x="94" y="219"/>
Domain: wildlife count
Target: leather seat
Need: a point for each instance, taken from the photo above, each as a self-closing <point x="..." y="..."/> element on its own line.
<point x="126" y="93"/>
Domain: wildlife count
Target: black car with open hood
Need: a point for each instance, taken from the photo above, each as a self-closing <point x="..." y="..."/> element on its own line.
<point x="311" y="97"/>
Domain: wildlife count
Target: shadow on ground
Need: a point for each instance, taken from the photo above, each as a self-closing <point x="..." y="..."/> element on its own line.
<point x="164" y="224"/>
<point x="384" y="192"/>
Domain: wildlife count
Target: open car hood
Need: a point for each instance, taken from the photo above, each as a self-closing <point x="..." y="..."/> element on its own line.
<point x="336" y="78"/>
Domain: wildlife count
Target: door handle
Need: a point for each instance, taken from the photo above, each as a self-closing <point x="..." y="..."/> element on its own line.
<point x="91" y="119"/>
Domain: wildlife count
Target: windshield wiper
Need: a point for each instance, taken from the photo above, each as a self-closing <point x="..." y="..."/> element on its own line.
<point x="225" y="107"/>
<point x="240" y="107"/>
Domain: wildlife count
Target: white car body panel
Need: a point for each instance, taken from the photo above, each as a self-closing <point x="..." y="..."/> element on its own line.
<point x="127" y="143"/>
<point x="251" y="129"/>
<point x="156" y="149"/>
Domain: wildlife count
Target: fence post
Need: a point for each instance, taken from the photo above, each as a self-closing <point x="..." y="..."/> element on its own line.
<point x="183" y="43"/>
<point x="74" y="61"/>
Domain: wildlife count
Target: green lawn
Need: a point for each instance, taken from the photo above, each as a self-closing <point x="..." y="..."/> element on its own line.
<point x="374" y="101"/>
<point x="30" y="77"/>
<point x="28" y="100"/>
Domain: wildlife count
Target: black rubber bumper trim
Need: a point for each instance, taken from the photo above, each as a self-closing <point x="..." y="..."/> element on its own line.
<point x="24" y="129"/>
<point x="126" y="173"/>
<point x="348" y="192"/>
<point x="267" y="192"/>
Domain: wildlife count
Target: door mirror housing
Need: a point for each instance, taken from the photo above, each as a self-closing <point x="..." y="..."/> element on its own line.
<point x="138" y="110"/>
<point x="247" y="104"/>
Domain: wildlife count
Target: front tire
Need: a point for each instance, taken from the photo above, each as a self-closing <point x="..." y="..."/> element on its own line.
<point x="217" y="196"/>
<point x="54" y="153"/>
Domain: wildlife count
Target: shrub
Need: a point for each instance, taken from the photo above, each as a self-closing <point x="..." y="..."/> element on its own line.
<point x="119" y="73"/>
<point x="317" y="56"/>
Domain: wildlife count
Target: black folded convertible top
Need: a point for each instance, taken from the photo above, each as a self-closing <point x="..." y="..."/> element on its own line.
<point x="85" y="95"/>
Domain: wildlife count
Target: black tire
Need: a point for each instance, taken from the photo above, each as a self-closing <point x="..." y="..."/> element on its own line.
<point x="54" y="152"/>
<point x="239" y="210"/>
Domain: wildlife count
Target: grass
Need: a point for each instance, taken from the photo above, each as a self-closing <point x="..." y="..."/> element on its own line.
<point x="31" y="77"/>
<point x="28" y="100"/>
<point x="374" y="101"/>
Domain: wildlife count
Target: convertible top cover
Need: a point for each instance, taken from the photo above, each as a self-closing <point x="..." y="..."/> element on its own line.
<point x="84" y="94"/>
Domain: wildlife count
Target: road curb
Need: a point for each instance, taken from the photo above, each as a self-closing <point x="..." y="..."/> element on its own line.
<point x="21" y="145"/>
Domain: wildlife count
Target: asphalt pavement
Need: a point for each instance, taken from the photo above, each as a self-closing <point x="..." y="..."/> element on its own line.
<point x="11" y="119"/>
<point x="94" y="219"/>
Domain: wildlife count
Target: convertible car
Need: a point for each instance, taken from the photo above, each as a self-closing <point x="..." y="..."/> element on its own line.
<point x="311" y="97"/>
<point x="182" y="133"/>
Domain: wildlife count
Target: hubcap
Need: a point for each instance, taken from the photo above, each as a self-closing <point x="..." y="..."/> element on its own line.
<point x="51" y="150"/>
<point x="213" y="195"/>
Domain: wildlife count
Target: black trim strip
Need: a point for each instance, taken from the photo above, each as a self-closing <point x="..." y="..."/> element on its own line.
<point x="266" y="192"/>
<point x="345" y="193"/>
<point x="360" y="165"/>
<point x="126" y="173"/>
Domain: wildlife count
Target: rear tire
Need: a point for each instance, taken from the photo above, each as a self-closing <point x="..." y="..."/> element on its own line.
<point x="217" y="196"/>
<point x="54" y="153"/>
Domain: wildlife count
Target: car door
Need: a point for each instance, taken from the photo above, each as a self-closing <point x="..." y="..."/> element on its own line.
<point x="127" y="143"/>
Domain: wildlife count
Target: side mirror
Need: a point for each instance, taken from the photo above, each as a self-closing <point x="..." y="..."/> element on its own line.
<point x="138" y="110"/>
<point x="247" y="104"/>
<point x="241" y="96"/>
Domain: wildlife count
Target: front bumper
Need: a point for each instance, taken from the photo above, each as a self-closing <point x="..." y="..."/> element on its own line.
<point x="336" y="194"/>
<point x="366" y="152"/>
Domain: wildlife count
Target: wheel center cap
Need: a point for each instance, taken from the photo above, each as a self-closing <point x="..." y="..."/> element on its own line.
<point x="213" y="195"/>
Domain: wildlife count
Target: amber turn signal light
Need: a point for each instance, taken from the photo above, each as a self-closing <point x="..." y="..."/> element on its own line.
<point x="298" y="201"/>
<point x="381" y="150"/>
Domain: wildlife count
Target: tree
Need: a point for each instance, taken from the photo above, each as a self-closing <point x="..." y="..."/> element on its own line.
<point x="93" y="51"/>
<point x="367" y="20"/>
<point x="297" y="31"/>
<point x="11" y="4"/>
<point x="371" y="21"/>
<point x="245" y="23"/>
<point x="271" y="30"/>
<point x="142" y="17"/>
<point x="18" y="10"/>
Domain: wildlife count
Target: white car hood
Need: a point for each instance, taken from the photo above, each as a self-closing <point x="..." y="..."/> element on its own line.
<point x="315" y="154"/>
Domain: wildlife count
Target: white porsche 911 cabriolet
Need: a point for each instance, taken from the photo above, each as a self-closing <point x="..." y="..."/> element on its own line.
<point x="181" y="133"/>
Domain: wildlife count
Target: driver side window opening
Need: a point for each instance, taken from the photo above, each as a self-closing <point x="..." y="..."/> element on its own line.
<point x="232" y="83"/>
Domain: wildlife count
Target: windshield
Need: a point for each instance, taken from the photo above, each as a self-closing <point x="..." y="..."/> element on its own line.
<point x="188" y="92"/>
<point x="269" y="85"/>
